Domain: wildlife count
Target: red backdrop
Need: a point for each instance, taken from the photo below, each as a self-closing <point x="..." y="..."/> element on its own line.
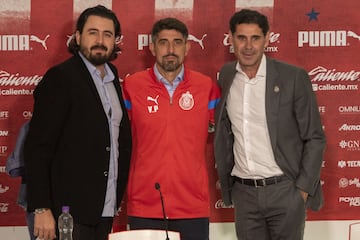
<point x="323" y="37"/>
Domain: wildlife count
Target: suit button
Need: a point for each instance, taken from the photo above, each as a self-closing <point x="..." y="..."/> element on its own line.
<point x="105" y="173"/>
<point x="108" y="149"/>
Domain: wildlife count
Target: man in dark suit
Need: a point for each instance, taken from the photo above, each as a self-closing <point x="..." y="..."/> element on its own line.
<point x="78" y="147"/>
<point x="269" y="140"/>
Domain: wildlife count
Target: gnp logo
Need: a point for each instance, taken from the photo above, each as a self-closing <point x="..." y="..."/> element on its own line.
<point x="21" y="42"/>
<point x="274" y="38"/>
<point x="144" y="40"/>
<point x="3" y="150"/>
<point x="350" y="145"/>
<point x="325" y="38"/>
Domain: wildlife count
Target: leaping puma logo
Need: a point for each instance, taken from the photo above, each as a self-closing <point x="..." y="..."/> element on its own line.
<point x="155" y="100"/>
<point x="38" y="40"/>
<point x="352" y="34"/>
<point x="199" y="41"/>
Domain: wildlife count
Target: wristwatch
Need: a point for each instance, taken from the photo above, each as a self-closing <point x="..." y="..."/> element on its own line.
<point x="40" y="210"/>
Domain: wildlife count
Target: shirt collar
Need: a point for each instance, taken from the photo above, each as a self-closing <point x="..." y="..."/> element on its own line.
<point x="261" y="72"/>
<point x="159" y="77"/>
<point x="109" y="75"/>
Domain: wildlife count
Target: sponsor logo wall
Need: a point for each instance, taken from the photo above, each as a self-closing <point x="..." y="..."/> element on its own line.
<point x="322" y="37"/>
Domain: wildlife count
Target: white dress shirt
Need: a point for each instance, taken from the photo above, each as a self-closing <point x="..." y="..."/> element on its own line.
<point x="253" y="153"/>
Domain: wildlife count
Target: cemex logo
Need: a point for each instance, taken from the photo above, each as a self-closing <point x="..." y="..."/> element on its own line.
<point x="21" y="42"/>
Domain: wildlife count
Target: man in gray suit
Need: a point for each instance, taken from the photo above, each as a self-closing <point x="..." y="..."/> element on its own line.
<point x="269" y="140"/>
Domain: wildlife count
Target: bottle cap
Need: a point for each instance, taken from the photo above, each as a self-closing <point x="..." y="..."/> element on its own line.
<point x="65" y="209"/>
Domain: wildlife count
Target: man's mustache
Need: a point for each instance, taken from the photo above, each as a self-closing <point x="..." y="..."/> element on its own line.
<point x="102" y="47"/>
<point x="171" y="55"/>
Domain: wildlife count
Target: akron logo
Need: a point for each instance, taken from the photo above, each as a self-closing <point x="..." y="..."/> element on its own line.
<point x="186" y="101"/>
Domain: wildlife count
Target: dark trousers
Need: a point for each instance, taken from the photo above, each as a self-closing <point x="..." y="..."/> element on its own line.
<point x="99" y="231"/>
<point x="190" y="229"/>
<point x="273" y="212"/>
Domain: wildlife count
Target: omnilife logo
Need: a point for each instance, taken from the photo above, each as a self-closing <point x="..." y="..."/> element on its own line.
<point x="21" y="42"/>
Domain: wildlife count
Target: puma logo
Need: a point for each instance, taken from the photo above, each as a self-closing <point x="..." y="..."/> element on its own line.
<point x="38" y="40"/>
<point x="69" y="38"/>
<point x="155" y="100"/>
<point x="199" y="41"/>
<point x="352" y="34"/>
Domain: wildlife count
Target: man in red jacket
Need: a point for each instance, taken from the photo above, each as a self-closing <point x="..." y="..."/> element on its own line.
<point x="170" y="108"/>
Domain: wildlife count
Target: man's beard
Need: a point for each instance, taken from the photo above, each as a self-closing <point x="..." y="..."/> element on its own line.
<point x="170" y="66"/>
<point x="97" y="58"/>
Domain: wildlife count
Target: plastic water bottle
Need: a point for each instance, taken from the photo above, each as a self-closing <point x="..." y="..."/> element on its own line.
<point x="66" y="224"/>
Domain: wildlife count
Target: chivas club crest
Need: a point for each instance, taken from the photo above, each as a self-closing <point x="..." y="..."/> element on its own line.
<point x="186" y="101"/>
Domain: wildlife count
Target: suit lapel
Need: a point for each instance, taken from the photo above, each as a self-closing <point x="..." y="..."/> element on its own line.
<point x="272" y="99"/>
<point x="228" y="79"/>
<point x="90" y="81"/>
<point x="85" y="76"/>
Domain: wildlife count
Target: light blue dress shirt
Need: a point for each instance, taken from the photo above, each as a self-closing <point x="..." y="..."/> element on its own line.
<point x="170" y="87"/>
<point x="112" y="108"/>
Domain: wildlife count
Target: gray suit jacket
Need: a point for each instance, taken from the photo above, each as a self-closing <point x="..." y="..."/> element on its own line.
<point x="294" y="124"/>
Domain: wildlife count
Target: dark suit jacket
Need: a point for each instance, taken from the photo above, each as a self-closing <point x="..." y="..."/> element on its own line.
<point x="67" y="149"/>
<point x="294" y="125"/>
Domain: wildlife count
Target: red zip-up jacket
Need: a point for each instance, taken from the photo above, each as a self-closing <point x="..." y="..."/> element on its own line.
<point x="169" y="144"/>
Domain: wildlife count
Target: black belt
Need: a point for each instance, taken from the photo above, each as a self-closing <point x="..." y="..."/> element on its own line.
<point x="260" y="182"/>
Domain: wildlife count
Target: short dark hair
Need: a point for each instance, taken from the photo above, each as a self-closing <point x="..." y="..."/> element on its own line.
<point x="169" y="24"/>
<point x="99" y="11"/>
<point x="249" y="16"/>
